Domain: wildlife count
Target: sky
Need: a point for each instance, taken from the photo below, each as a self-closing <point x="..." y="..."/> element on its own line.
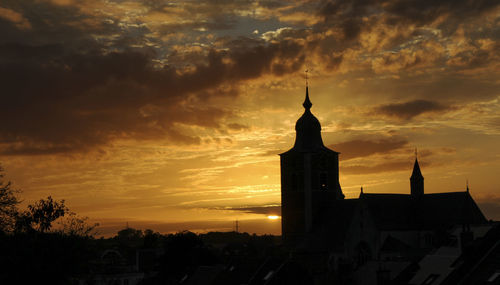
<point x="170" y="115"/>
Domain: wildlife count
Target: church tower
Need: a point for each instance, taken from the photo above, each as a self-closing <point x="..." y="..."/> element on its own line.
<point x="416" y="181"/>
<point x="309" y="177"/>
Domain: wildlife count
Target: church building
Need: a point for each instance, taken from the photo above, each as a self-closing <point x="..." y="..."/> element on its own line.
<point x="347" y="234"/>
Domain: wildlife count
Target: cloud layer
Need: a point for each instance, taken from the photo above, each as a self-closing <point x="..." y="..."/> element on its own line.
<point x="89" y="73"/>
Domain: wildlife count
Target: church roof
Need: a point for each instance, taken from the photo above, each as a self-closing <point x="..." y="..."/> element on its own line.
<point x="393" y="212"/>
<point x="389" y="211"/>
<point x="430" y="211"/>
<point x="308" y="131"/>
<point x="450" y="208"/>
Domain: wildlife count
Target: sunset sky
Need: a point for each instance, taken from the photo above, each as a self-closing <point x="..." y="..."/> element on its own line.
<point x="171" y="114"/>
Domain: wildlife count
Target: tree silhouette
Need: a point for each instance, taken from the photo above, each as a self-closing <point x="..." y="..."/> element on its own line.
<point x="73" y="224"/>
<point x="8" y="205"/>
<point x="40" y="216"/>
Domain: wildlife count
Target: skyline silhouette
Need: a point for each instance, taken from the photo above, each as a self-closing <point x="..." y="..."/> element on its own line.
<point x="171" y="115"/>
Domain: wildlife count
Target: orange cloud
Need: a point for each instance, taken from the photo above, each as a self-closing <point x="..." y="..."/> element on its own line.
<point x="16" y="18"/>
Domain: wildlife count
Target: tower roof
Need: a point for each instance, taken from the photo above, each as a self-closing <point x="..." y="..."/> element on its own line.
<point x="416" y="171"/>
<point x="308" y="129"/>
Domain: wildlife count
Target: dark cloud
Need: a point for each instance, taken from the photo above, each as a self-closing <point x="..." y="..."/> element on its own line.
<point x="347" y="21"/>
<point x="271" y="4"/>
<point x="422" y="12"/>
<point x="410" y="109"/>
<point x="361" y="148"/>
<point x="414" y="11"/>
<point x="65" y="100"/>
<point x="68" y="90"/>
<point x="73" y="81"/>
<point x="237" y="127"/>
<point x="265" y="209"/>
<point x="212" y="15"/>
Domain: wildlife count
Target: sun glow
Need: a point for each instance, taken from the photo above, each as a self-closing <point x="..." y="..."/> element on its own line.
<point x="272" y="217"/>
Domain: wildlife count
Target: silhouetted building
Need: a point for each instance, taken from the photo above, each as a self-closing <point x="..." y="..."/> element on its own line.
<point x="378" y="235"/>
<point x="309" y="177"/>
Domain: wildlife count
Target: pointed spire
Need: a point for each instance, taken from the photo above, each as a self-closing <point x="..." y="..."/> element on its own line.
<point x="467" y="185"/>
<point x="307" y="103"/>
<point x="416" y="179"/>
<point x="361" y="189"/>
<point x="307" y="83"/>
<point x="416" y="170"/>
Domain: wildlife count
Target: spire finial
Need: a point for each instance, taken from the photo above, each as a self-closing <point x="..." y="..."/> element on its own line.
<point x="307" y="83"/>
<point x="361" y="189"/>
<point x="467" y="184"/>
<point x="416" y="154"/>
<point x="307" y="103"/>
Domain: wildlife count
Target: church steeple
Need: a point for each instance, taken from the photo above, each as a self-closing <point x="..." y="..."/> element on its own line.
<point x="309" y="178"/>
<point x="308" y="129"/>
<point x="416" y="179"/>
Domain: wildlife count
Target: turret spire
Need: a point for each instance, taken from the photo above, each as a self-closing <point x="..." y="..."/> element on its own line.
<point x="307" y="70"/>
<point x="416" y="179"/>
<point x="416" y="170"/>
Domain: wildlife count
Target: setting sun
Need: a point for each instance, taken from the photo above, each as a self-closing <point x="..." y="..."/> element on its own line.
<point x="273" y="217"/>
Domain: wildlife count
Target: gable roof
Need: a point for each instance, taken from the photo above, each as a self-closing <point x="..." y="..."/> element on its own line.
<point x="449" y="208"/>
<point x="430" y="211"/>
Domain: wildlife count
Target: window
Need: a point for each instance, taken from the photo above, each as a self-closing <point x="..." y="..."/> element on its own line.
<point x="323" y="181"/>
